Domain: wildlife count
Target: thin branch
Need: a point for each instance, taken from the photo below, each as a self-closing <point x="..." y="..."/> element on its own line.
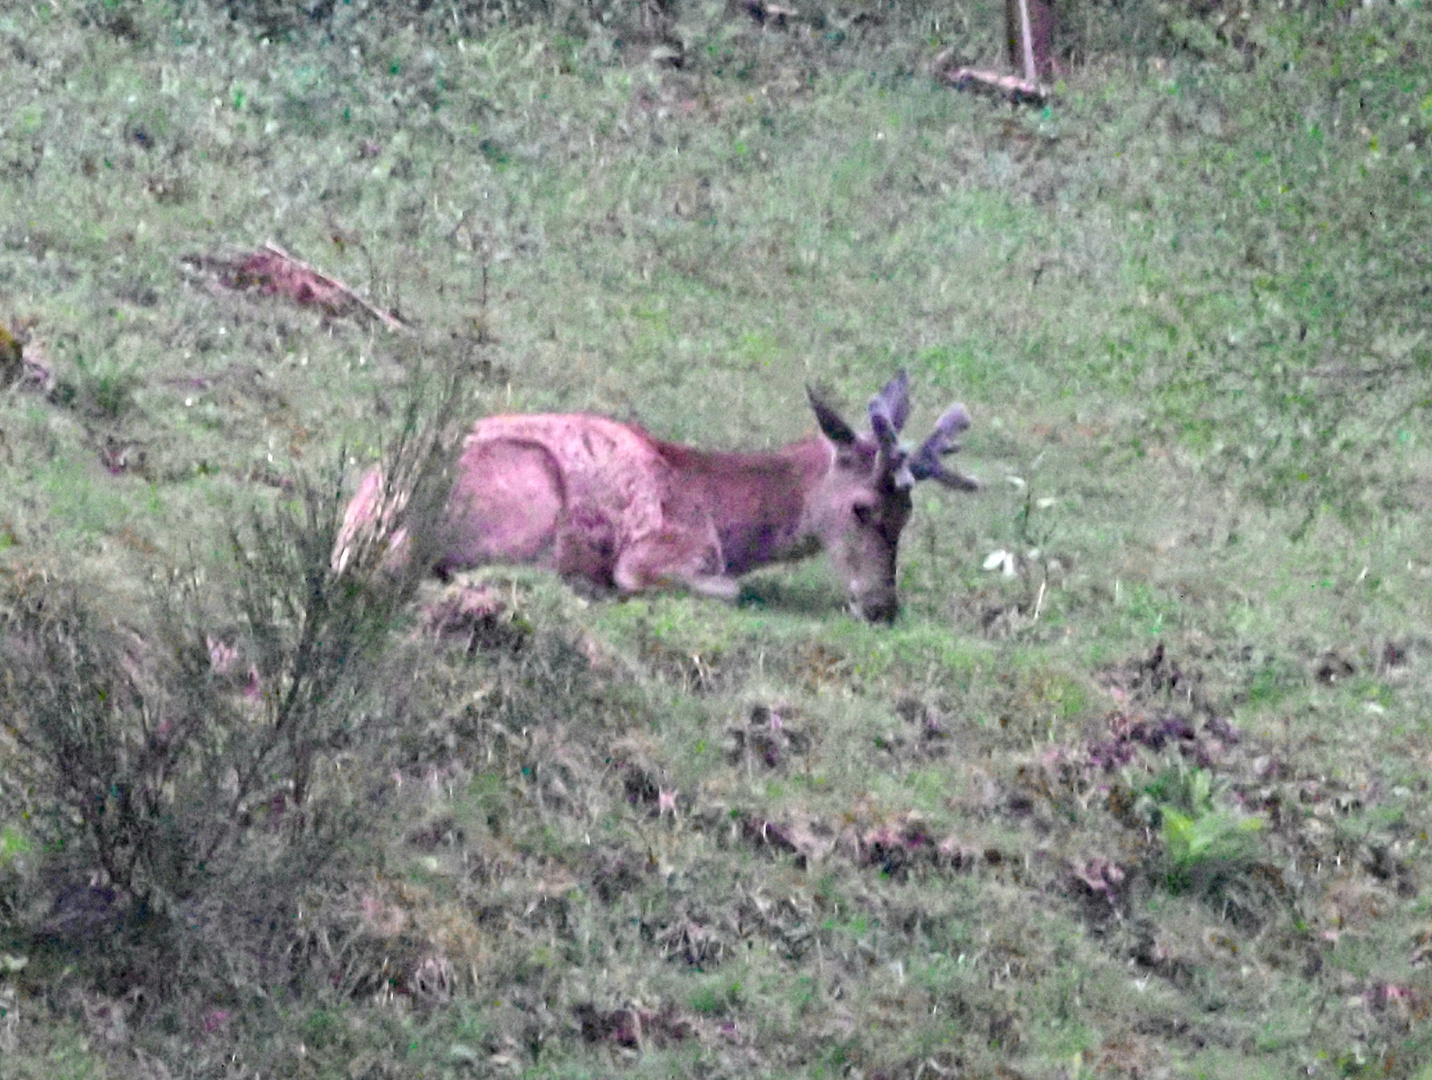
<point x="1341" y="372"/>
<point x="1012" y="86"/>
<point x="390" y="321"/>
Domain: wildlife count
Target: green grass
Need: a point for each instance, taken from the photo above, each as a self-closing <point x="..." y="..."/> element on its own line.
<point x="1186" y="306"/>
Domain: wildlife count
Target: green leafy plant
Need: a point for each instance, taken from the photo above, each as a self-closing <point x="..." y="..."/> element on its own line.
<point x="1203" y="836"/>
<point x="102" y="389"/>
<point x="12" y="843"/>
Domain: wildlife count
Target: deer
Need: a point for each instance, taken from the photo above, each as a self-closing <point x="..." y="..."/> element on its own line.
<point x="606" y="504"/>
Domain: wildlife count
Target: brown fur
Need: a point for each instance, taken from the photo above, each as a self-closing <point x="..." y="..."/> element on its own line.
<point x="606" y="503"/>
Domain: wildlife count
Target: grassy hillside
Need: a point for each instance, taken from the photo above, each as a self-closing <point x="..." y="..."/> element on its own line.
<point x="1153" y="803"/>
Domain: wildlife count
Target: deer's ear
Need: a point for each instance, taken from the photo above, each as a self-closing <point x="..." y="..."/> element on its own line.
<point x="831" y="425"/>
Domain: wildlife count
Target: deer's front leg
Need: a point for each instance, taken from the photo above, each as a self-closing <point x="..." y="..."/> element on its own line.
<point x="675" y="559"/>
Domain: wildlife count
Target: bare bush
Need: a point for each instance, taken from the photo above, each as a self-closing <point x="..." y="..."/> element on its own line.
<point x="212" y="763"/>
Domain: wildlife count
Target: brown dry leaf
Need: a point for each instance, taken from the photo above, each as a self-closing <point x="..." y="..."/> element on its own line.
<point x="12" y="355"/>
<point x="808" y="836"/>
<point x="24" y="361"/>
<point x="1351" y="903"/>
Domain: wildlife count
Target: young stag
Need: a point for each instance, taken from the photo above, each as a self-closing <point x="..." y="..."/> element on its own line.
<point x="606" y="503"/>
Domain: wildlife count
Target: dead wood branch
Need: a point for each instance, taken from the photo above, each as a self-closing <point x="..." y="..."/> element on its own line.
<point x="1019" y="91"/>
<point x="275" y="272"/>
<point x="296" y="279"/>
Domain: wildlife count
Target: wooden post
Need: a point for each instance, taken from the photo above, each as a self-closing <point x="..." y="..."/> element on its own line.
<point x="1030" y="25"/>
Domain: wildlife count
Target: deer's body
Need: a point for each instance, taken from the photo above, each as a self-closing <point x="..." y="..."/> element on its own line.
<point x="606" y="503"/>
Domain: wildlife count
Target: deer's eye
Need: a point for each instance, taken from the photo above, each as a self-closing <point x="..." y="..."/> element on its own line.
<point x="864" y="513"/>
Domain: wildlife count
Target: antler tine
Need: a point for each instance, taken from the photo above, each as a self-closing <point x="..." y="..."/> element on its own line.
<point x="888" y="412"/>
<point x="925" y="464"/>
<point x="889" y="459"/>
<point x="955" y="420"/>
<point x="943" y="474"/>
<point x="883" y="425"/>
<point x="893" y="402"/>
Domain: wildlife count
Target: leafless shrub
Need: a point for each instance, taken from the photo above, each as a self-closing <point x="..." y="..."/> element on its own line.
<point x="197" y="780"/>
